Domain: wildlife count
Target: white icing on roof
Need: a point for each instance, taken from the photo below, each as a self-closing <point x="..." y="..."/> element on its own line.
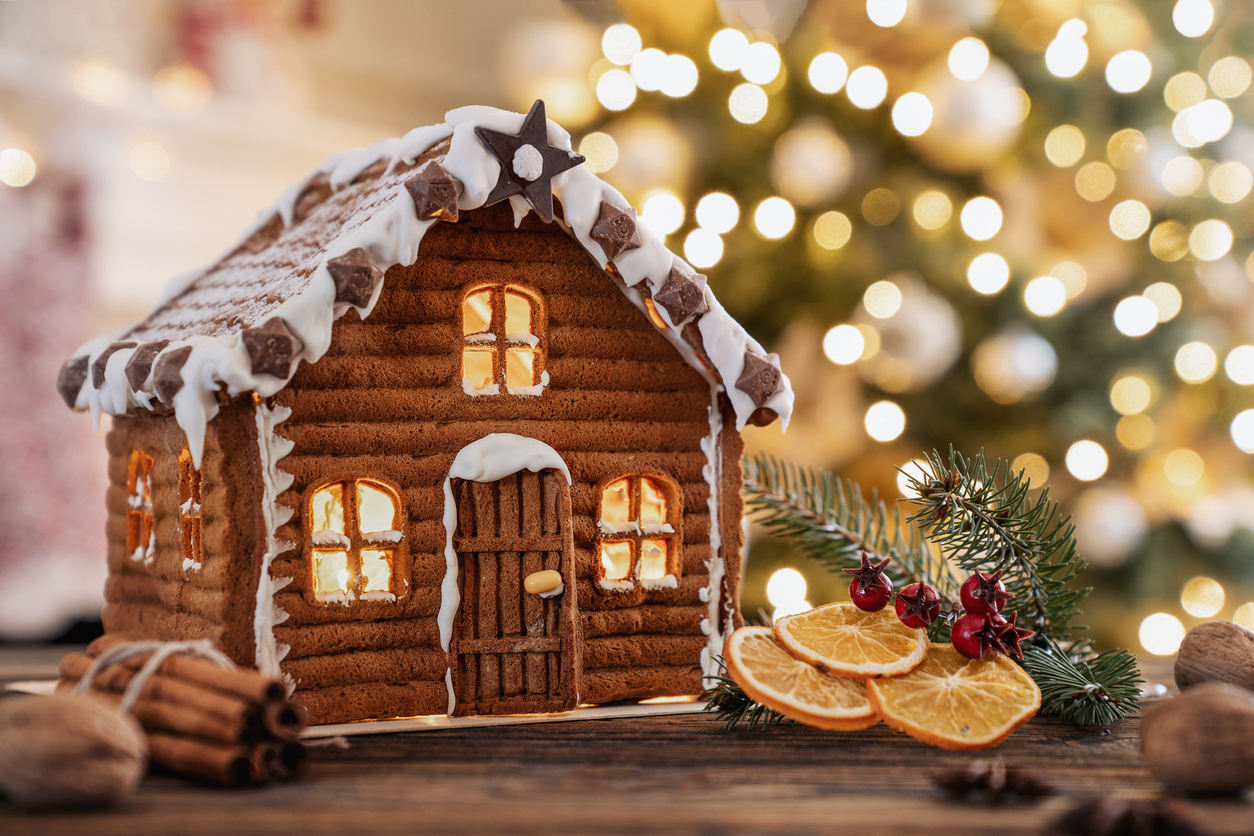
<point x="386" y="226"/>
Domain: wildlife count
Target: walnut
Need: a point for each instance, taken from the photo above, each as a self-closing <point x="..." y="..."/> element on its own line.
<point x="1202" y="740"/>
<point x="1217" y="651"/>
<point x="68" y="750"/>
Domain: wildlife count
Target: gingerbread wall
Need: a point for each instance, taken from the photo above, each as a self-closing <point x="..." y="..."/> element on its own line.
<point x="386" y="402"/>
<point x="159" y="598"/>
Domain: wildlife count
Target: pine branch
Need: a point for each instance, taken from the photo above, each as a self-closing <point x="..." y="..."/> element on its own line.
<point x="990" y="520"/>
<point x="733" y="706"/>
<point x="1087" y="689"/>
<point x="833" y="522"/>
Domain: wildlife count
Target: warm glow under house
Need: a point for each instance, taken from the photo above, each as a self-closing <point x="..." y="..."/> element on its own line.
<point x="505" y="477"/>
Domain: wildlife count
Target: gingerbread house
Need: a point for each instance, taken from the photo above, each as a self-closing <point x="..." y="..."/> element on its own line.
<point x="447" y="432"/>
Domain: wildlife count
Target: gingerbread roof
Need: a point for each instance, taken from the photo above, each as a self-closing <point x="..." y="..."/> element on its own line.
<point x="242" y="324"/>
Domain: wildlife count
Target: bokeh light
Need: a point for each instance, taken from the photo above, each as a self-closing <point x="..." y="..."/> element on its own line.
<point x="1161" y="633"/>
<point x="886" y="12"/>
<point x="681" y="76"/>
<point x="1045" y="296"/>
<point x="1129" y="219"/>
<point x="844" y="345"/>
<point x="1067" y="54"/>
<point x="912" y="114"/>
<point x="1242" y="430"/>
<point x="747" y="103"/>
<point x="1095" y="181"/>
<point x="1202" y="597"/>
<point x="1229" y="77"/>
<point x="1034" y="468"/>
<point x="1128" y="71"/>
<point x="916" y="468"/>
<point x="616" y="90"/>
<point x="600" y="151"/>
<point x="727" y="49"/>
<point x="1244" y="615"/>
<point x="1193" y="18"/>
<point x="1230" y="182"/>
<point x="1086" y="460"/>
<point x="774" y="217"/>
<point x="932" y="210"/>
<point x="1196" y="362"/>
<point x="828" y="72"/>
<point x="1130" y="394"/>
<point x="981" y="218"/>
<point x="1182" y="175"/>
<point x="99" y="83"/>
<point x="1239" y="365"/>
<point x="1207" y="121"/>
<point x="1064" y="146"/>
<point x="1210" y="240"/>
<point x="988" y="273"/>
<point x="760" y="63"/>
<point x="882" y="299"/>
<point x="1136" y="432"/>
<point x="880" y="207"/>
<point x="648" y="69"/>
<point x="17" y="167"/>
<point x="149" y="161"/>
<point x="703" y="248"/>
<point x="866" y="87"/>
<point x="1073" y="277"/>
<point x="718" y="212"/>
<point x="786" y="590"/>
<point x="1183" y="90"/>
<point x="832" y="230"/>
<point x="621" y="43"/>
<point x="885" y="421"/>
<point x="1166" y="297"/>
<point x="663" y="213"/>
<point x="1136" y="316"/>
<point x="1126" y="148"/>
<point x="968" y="59"/>
<point x="182" y="88"/>
<point x="1183" y="467"/>
<point x="1169" y="241"/>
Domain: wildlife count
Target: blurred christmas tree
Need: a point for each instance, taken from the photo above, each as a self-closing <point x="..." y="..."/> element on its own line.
<point x="1021" y="227"/>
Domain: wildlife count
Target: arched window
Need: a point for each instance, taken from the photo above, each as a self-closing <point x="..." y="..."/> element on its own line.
<point x="189" y="512"/>
<point x="354" y="532"/>
<point x="502" y="326"/>
<point x="141" y="528"/>
<point x="640" y="539"/>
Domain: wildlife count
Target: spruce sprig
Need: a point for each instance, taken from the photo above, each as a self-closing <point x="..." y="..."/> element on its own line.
<point x="980" y="519"/>
<point x="989" y="520"/>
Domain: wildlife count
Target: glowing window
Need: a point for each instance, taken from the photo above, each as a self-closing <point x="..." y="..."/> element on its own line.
<point x="189" y="512"/>
<point x="141" y="528"/>
<point x="354" y="532"/>
<point x="639" y="539"/>
<point x="501" y="329"/>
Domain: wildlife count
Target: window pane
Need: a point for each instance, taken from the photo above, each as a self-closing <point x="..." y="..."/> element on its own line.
<point x="479" y="367"/>
<point x="615" y="504"/>
<point x="327" y="507"/>
<point x="376" y="510"/>
<point x="653" y="559"/>
<point x="517" y="314"/>
<point x="652" y="503"/>
<point x="520" y="364"/>
<point x="330" y="572"/>
<point x="376" y="571"/>
<point x="616" y="559"/>
<point x="477" y="312"/>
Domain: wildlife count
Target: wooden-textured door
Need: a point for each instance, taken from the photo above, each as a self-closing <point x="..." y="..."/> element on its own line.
<point x="515" y="652"/>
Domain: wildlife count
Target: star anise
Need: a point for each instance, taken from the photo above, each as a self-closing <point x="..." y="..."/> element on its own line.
<point x="1009" y="634"/>
<point x="1124" y="817"/>
<point x="871" y="575"/>
<point x="990" y="782"/>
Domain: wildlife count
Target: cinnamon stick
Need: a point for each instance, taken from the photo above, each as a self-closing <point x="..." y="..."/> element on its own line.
<point x="228" y="766"/>
<point x="246" y="684"/>
<point x="164" y="687"/>
<point x="281" y="760"/>
<point x="284" y="720"/>
<point x="171" y="718"/>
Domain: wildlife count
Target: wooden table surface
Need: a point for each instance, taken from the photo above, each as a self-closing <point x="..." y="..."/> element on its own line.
<point x="681" y="774"/>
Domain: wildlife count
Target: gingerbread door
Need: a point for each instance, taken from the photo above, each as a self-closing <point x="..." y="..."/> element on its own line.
<point x="514" y="652"/>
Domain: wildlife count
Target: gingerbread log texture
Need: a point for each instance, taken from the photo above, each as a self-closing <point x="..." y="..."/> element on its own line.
<point x="481" y="396"/>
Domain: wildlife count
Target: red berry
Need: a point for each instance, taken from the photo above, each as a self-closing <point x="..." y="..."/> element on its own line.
<point x="975" y="636"/>
<point x="870" y="590"/>
<point x="918" y="605"/>
<point x="984" y="594"/>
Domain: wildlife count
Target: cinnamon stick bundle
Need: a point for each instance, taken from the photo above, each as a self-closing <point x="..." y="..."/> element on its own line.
<point x="230" y="727"/>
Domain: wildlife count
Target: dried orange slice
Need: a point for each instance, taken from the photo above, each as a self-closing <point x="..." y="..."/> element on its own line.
<point x="761" y="666"/>
<point x="955" y="702"/>
<point x="842" y="640"/>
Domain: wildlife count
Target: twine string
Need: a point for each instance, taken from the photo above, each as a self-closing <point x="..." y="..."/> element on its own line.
<point x="160" y="652"/>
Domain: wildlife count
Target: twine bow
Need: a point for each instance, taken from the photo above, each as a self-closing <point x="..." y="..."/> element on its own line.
<point x="160" y="652"/>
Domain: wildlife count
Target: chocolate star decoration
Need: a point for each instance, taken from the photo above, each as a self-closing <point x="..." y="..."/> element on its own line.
<point x="870" y="575"/>
<point x="435" y="193"/>
<point x="167" y="378"/>
<point x="272" y="347"/>
<point x="355" y="276"/>
<point x="616" y="230"/>
<point x="683" y="295"/>
<point x="528" y="162"/>
<point x="761" y="377"/>
<point x="1009" y="634"/>
<point x="140" y="364"/>
<point x="71" y="378"/>
<point x="102" y="362"/>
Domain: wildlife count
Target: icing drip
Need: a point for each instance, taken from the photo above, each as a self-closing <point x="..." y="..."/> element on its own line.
<point x="492" y="457"/>
<point x="712" y="471"/>
<point x="274" y="481"/>
<point x="392" y="235"/>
